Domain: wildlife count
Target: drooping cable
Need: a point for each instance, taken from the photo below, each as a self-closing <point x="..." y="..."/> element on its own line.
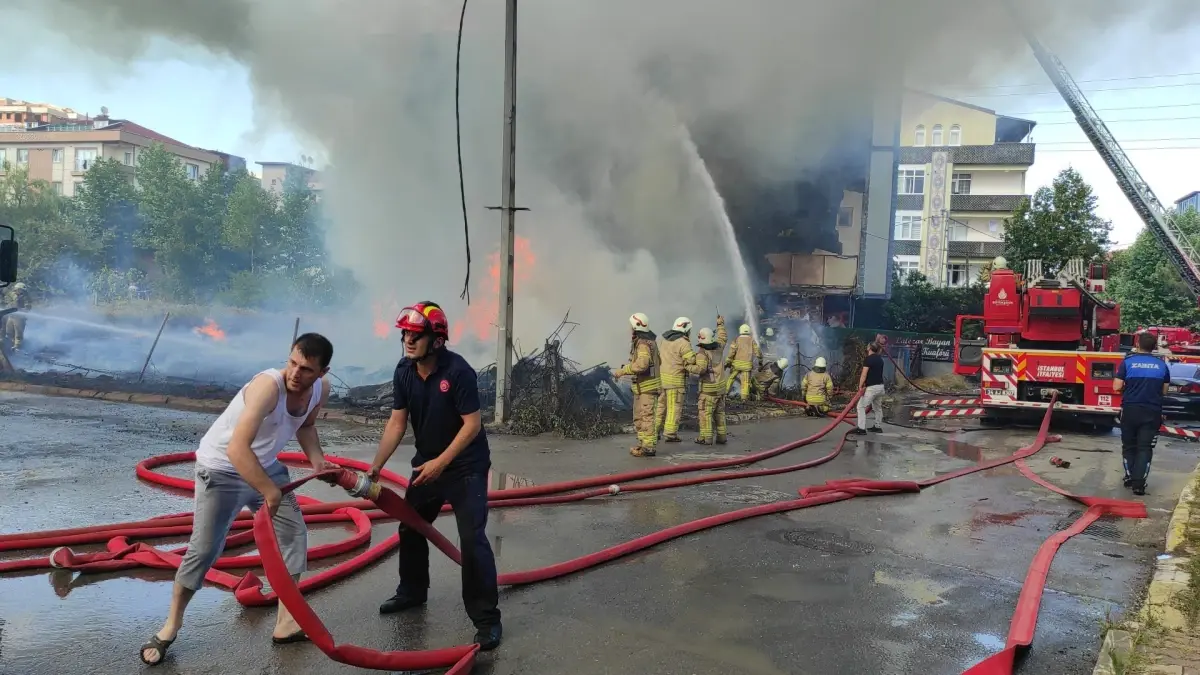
<point x="462" y="186"/>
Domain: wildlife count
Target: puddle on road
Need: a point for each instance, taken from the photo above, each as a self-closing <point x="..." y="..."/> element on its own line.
<point x="921" y="591"/>
<point x="988" y="641"/>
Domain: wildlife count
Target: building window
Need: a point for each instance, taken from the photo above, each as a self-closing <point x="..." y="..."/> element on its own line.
<point x="937" y="135"/>
<point x="845" y="216"/>
<point x="57" y="187"/>
<point x="908" y="227"/>
<point x="56" y="155"/>
<point x="905" y="265"/>
<point x="3" y="158"/>
<point x="960" y="184"/>
<point x="911" y="182"/>
<point x="22" y="157"/>
<point x="128" y="159"/>
<point x="956" y="274"/>
<point x="919" y="139"/>
<point x="76" y="187"/>
<point x="956" y="231"/>
<point x="193" y="171"/>
<point x="84" y="158"/>
<point x="955" y="135"/>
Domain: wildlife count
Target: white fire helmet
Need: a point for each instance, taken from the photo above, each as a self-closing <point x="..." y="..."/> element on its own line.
<point x="999" y="263"/>
<point x="19" y="286"/>
<point x="705" y="336"/>
<point x="683" y="325"/>
<point x="744" y="329"/>
<point x="770" y="332"/>
<point x="782" y="363"/>
<point x="819" y="363"/>
<point x="639" y="321"/>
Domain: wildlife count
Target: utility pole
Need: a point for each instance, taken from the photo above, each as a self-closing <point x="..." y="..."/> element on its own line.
<point x="508" y="209"/>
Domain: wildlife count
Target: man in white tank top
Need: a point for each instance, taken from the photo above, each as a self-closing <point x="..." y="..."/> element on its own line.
<point x="237" y="466"/>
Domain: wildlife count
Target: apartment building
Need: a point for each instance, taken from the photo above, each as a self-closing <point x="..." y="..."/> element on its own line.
<point x="62" y="151"/>
<point x="1188" y="201"/>
<point x="961" y="174"/>
<point x="17" y="115"/>
<point x="275" y="174"/>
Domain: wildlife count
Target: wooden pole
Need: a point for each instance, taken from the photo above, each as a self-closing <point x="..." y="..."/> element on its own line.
<point x="296" y="331"/>
<point x="153" y="347"/>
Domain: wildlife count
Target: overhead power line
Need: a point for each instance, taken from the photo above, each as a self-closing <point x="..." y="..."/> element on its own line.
<point x="1054" y="92"/>
<point x="1059" y="111"/>
<point x="1130" y="78"/>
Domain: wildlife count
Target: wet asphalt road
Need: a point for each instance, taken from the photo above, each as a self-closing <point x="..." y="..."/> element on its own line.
<point x="901" y="584"/>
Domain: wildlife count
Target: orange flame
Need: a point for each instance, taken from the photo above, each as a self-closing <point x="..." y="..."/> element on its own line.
<point x="483" y="314"/>
<point x="384" y="318"/>
<point x="212" y="330"/>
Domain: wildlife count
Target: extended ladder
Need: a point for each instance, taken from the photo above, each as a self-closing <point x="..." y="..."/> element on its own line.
<point x="1178" y="245"/>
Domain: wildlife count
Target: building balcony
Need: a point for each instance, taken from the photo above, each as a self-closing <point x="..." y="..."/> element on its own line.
<point x="975" y="249"/>
<point x="1007" y="154"/>
<point x="986" y="203"/>
<point x="906" y="247"/>
<point x="830" y="273"/>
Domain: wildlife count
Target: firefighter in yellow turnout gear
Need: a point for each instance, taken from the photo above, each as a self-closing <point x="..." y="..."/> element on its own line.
<point x="709" y="367"/>
<point x="644" y="368"/>
<point x="816" y="388"/>
<point x="13" y="325"/>
<point x="742" y="356"/>
<point x="677" y="360"/>
<point x="769" y="378"/>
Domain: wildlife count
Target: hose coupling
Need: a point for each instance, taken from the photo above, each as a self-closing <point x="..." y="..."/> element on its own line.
<point x="364" y="488"/>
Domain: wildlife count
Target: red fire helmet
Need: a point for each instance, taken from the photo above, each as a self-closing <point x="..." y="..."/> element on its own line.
<point x="422" y="318"/>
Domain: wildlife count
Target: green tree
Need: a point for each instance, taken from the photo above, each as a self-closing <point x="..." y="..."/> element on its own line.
<point x="1058" y="224"/>
<point x="178" y="225"/>
<point x="1147" y="284"/>
<point x="917" y="306"/>
<point x="106" y="208"/>
<point x="51" y="243"/>
<point x="250" y="222"/>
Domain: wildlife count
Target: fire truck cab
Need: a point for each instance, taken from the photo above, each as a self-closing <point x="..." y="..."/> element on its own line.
<point x="1040" y="335"/>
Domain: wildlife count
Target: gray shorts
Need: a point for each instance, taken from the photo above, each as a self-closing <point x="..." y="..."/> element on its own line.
<point x="219" y="498"/>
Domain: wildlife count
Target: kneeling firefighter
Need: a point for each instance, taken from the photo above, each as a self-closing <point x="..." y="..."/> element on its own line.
<point x="816" y="388"/>
<point x="643" y="367"/>
<point x="742" y="357"/>
<point x="769" y="378"/>
<point x="711" y="405"/>
<point x="677" y="359"/>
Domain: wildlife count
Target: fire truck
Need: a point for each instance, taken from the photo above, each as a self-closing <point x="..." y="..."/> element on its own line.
<point x="1040" y="335"/>
<point x="1043" y="334"/>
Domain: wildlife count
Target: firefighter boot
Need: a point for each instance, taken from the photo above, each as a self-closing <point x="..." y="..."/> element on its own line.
<point x="639" y="451"/>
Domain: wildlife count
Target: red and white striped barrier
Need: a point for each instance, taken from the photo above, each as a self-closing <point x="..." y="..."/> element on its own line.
<point x="952" y="402"/>
<point x="1191" y="434"/>
<point x="958" y="412"/>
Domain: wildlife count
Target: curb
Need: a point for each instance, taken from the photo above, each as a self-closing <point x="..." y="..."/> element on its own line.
<point x="217" y="405"/>
<point x="1170" y="577"/>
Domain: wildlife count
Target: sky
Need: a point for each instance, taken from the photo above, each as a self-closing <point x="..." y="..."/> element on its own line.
<point x="1151" y="104"/>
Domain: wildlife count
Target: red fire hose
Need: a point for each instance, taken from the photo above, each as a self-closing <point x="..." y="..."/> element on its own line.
<point x="122" y="554"/>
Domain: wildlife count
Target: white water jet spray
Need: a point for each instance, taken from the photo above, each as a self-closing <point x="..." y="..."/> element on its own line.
<point x="717" y="203"/>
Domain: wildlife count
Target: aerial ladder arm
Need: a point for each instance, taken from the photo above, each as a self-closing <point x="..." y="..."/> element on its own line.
<point x="1180" y="248"/>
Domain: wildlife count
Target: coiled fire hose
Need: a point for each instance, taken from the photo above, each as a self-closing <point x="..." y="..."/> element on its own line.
<point x="384" y="503"/>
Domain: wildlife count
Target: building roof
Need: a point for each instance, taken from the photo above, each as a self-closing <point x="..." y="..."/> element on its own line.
<point x="142" y="131"/>
<point x="1187" y="196"/>
<point x="1008" y="129"/>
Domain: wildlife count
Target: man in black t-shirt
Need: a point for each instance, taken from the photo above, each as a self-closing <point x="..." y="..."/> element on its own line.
<point x="438" y="391"/>
<point x="870" y="383"/>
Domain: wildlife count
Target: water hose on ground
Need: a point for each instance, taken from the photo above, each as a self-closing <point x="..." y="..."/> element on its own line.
<point x="122" y="554"/>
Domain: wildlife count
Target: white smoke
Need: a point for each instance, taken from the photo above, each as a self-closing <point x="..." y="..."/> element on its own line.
<point x="616" y="223"/>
